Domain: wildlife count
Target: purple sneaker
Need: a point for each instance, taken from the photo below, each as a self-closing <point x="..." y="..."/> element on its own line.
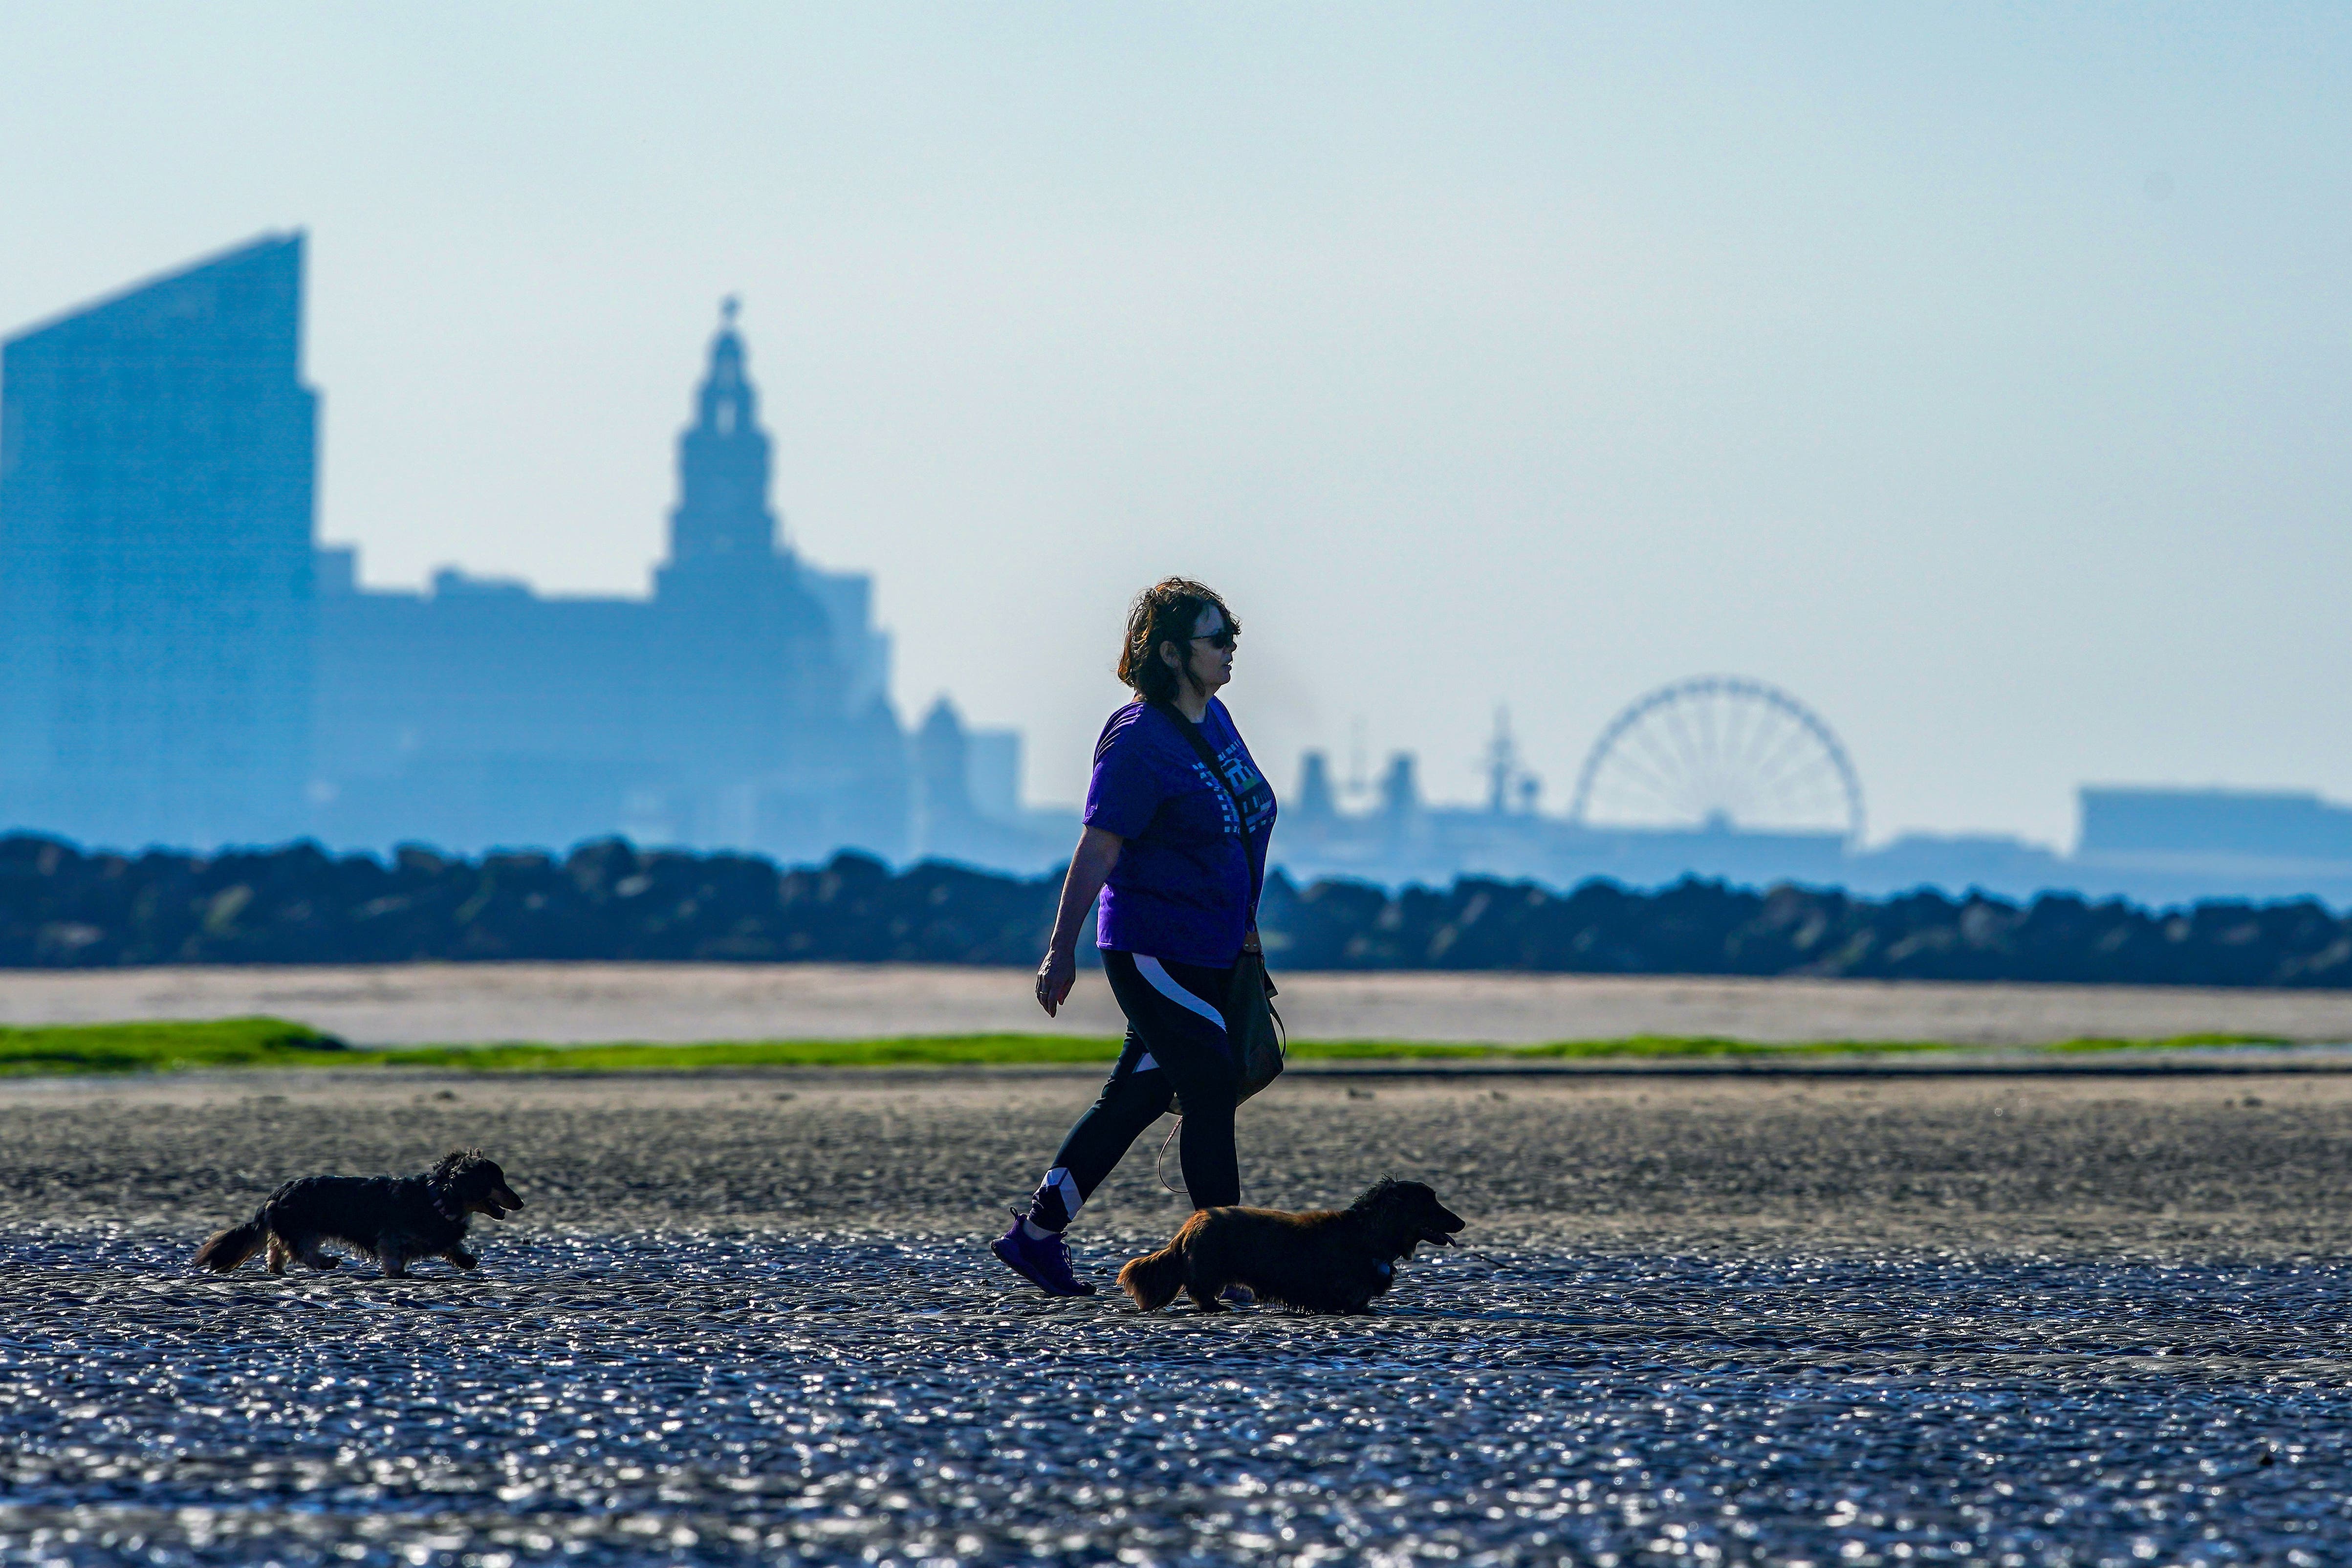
<point x="1045" y="1264"/>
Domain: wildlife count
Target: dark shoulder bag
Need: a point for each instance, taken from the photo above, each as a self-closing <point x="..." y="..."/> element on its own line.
<point x="1251" y="1023"/>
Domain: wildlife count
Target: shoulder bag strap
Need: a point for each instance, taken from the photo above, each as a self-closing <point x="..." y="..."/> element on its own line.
<point x="1192" y="731"/>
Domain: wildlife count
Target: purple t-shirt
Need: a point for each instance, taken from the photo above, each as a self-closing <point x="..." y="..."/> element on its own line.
<point x="1187" y="880"/>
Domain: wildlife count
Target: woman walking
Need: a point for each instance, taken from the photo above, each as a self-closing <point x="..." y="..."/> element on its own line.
<point x="1177" y="853"/>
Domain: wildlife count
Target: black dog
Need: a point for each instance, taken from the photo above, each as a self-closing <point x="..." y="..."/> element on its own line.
<point x="1328" y="1260"/>
<point x="391" y="1218"/>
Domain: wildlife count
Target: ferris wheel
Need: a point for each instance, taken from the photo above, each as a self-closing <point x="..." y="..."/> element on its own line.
<point x="1719" y="751"/>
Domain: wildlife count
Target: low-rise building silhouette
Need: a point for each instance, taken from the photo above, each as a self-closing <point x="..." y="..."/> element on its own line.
<point x="2153" y="845"/>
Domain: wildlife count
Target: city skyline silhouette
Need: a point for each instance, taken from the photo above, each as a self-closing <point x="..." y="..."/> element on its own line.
<point x="182" y="662"/>
<point x="1969" y="375"/>
<point x="187" y="666"/>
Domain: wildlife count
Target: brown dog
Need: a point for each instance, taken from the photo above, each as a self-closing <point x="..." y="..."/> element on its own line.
<point x="1330" y="1260"/>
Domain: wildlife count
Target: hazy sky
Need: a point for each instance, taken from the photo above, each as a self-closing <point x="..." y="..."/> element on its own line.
<point x="1980" y="373"/>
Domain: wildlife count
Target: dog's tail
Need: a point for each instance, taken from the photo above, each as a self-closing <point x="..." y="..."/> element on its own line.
<point x="1154" y="1278"/>
<point x="224" y="1250"/>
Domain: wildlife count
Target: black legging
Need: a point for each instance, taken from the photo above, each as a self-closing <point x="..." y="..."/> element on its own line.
<point x="1176" y="1045"/>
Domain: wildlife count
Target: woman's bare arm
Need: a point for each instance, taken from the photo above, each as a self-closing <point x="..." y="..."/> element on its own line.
<point x="1091" y="865"/>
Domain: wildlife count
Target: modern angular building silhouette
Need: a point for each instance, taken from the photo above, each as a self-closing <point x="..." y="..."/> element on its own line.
<point x="156" y="474"/>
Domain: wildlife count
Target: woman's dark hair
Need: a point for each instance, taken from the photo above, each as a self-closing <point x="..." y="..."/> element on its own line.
<point x="1165" y="612"/>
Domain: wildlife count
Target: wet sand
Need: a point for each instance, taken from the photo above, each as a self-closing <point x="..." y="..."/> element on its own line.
<point x="2246" y="1166"/>
<point x="575" y="1003"/>
<point x="750" y="1319"/>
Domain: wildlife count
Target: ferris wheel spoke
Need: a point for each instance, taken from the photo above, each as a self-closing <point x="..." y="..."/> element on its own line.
<point x="1824" y="787"/>
<point x="1808" y="784"/>
<point x="1742" y="731"/>
<point x="1662" y="786"/>
<point x="1686" y="767"/>
<point x="1630" y="778"/>
<point x="1694" y="791"/>
<point x="1684" y="725"/>
<point x="1791" y="741"/>
<point x="1777" y="803"/>
<point x="1656" y="735"/>
<point x="1804" y="788"/>
<point x="1704" y="714"/>
<point x="1800" y="765"/>
<point x="1657" y="756"/>
<point x="1733" y="723"/>
<point x="1627" y="767"/>
<point x="1671" y="796"/>
<point x="1732" y="720"/>
<point x="1766" y="734"/>
<point x="1766" y="740"/>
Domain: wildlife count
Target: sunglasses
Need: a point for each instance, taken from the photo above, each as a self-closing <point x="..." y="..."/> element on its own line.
<point x="1220" y="639"/>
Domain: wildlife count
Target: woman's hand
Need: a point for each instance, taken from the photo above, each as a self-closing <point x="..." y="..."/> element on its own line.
<point x="1055" y="978"/>
<point x="1091" y="865"/>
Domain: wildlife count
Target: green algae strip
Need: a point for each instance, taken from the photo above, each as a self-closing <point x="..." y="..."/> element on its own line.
<point x="278" y="1043"/>
<point x="167" y="1047"/>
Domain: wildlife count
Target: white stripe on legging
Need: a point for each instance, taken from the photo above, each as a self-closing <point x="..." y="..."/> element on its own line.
<point x="1165" y="984"/>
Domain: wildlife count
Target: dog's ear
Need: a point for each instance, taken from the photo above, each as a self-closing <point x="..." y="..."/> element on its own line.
<point x="440" y="1182"/>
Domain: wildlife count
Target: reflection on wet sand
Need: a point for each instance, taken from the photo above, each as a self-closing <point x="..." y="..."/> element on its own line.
<point x="2011" y="1322"/>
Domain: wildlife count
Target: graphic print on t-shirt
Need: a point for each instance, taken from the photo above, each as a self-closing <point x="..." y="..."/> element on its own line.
<point x="1224" y="800"/>
<point x="1241" y="779"/>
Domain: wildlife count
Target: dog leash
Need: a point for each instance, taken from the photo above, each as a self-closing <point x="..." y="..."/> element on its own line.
<point x="1159" y="1164"/>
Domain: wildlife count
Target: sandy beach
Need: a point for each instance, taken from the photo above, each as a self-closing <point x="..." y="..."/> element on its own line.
<point x="2250" y="1166"/>
<point x="751" y="1318"/>
<point x="577" y="1003"/>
